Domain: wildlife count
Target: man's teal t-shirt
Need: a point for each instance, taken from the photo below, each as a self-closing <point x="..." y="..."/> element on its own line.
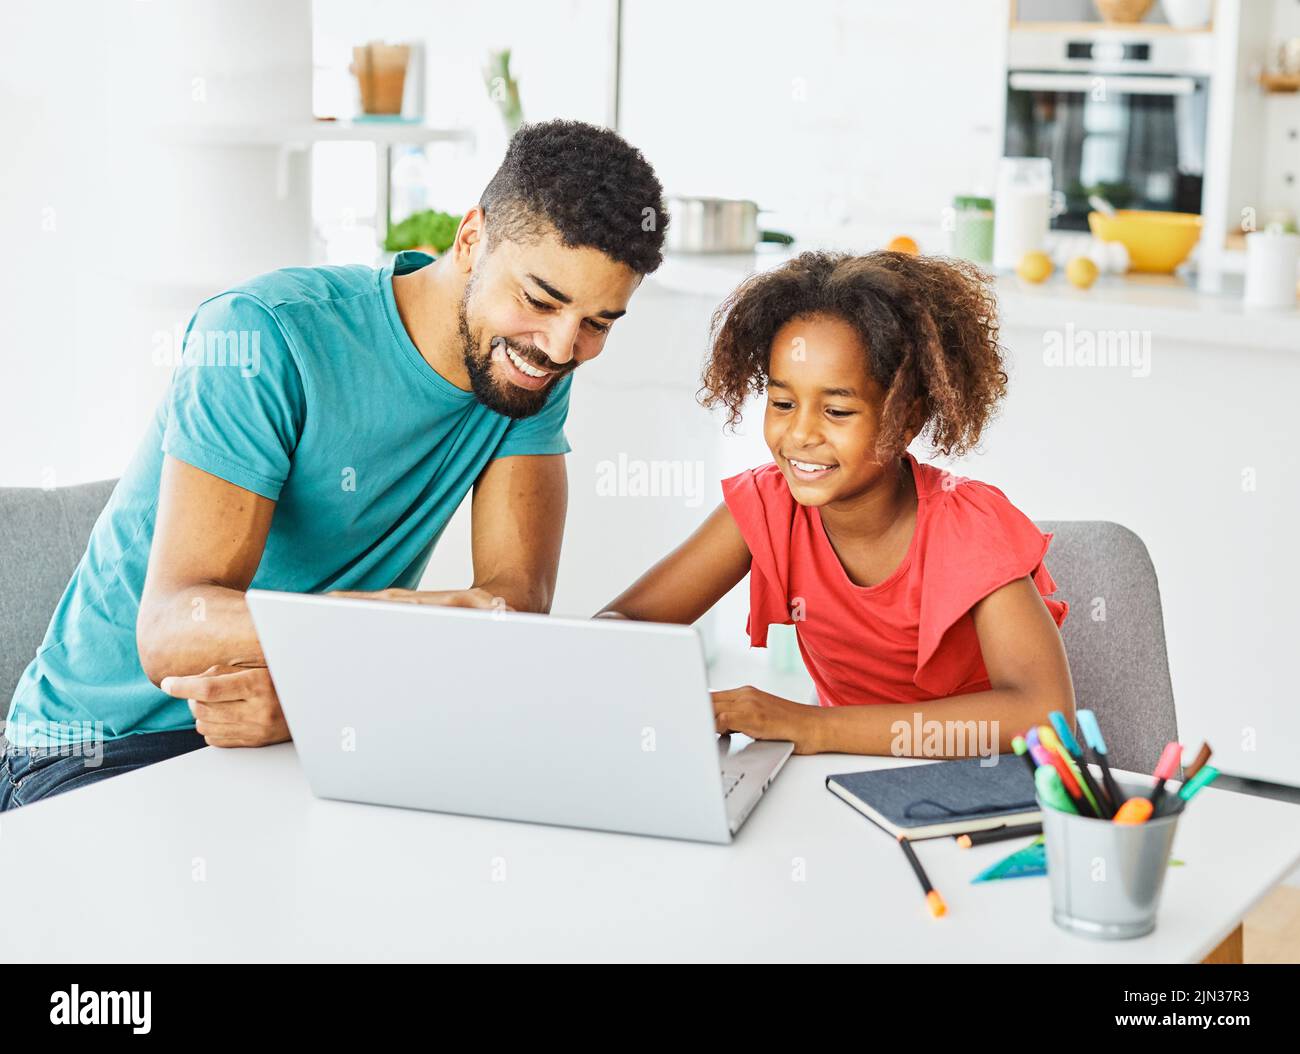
<point x="302" y="386"/>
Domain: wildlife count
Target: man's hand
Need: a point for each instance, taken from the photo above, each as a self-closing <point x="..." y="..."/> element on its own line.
<point x="455" y="598"/>
<point x="233" y="706"/>
<point x="762" y="715"/>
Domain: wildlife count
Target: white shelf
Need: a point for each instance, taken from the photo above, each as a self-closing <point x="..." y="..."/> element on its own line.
<point x="1111" y="29"/>
<point x="305" y="132"/>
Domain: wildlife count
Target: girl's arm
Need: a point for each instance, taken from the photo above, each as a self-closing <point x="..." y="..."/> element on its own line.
<point x="691" y="579"/>
<point x="1027" y="669"/>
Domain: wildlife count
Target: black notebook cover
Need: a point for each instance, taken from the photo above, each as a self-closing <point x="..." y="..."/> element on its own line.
<point x="943" y="797"/>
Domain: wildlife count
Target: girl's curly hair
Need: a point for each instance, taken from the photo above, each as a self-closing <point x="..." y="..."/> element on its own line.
<point x="929" y="326"/>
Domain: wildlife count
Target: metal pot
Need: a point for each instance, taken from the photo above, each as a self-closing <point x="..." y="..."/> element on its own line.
<point x="716" y="225"/>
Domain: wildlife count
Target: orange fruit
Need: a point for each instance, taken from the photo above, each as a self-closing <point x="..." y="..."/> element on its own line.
<point x="903" y="244"/>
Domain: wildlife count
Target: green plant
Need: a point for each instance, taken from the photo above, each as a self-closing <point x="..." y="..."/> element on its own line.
<point x="436" y="230"/>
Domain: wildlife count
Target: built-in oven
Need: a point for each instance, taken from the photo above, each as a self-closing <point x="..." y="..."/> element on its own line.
<point x="1119" y="115"/>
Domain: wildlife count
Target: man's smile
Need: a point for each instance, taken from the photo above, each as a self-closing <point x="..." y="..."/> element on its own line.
<point x="518" y="370"/>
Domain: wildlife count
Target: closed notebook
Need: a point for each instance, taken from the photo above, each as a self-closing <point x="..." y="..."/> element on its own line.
<point x="943" y="797"/>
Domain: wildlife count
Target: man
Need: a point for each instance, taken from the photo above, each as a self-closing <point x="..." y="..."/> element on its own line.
<point x="323" y="428"/>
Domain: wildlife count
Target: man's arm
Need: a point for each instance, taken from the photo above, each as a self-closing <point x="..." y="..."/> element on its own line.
<point x="207" y="543"/>
<point x="210" y="535"/>
<point x="194" y="634"/>
<point x="517" y="529"/>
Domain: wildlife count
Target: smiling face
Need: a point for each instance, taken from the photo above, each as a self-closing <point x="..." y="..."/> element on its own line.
<point x="532" y="312"/>
<point x="823" y="411"/>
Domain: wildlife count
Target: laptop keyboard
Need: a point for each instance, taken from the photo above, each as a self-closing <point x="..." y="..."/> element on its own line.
<point x="730" y="780"/>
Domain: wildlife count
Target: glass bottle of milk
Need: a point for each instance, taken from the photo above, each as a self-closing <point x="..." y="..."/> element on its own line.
<point x="1023" y="209"/>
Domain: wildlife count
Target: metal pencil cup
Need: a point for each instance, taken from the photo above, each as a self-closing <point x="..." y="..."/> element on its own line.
<point x="1106" y="877"/>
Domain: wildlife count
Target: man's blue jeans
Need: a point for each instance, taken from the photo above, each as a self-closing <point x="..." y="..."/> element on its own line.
<point x="29" y="775"/>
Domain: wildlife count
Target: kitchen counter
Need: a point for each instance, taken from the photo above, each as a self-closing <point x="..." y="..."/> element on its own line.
<point x="1169" y="307"/>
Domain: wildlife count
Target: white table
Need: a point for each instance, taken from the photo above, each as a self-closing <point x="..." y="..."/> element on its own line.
<point x="225" y="855"/>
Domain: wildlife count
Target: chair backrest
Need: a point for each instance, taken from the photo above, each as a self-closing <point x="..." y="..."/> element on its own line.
<point x="43" y="534"/>
<point x="1115" y="637"/>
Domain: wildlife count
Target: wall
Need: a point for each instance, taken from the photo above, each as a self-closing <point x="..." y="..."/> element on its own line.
<point x="844" y="116"/>
<point x="112" y="232"/>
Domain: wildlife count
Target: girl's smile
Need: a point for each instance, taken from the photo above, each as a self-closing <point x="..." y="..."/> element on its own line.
<point x="809" y="471"/>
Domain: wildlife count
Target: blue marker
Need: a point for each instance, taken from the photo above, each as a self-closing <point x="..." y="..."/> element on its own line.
<point x="1064" y="733"/>
<point x="1092" y="733"/>
<point x="1066" y="736"/>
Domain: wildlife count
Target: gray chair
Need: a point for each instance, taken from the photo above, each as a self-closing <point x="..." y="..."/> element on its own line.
<point x="1115" y="637"/>
<point x="43" y="534"/>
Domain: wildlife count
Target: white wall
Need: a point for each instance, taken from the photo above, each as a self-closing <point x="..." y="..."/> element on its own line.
<point x="112" y="233"/>
<point x="111" y="237"/>
<point x="841" y="116"/>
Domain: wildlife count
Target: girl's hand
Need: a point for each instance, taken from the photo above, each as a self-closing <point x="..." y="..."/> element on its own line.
<point x="762" y="715"/>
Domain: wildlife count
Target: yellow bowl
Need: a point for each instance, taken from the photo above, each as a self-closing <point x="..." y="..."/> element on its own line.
<point x="1157" y="242"/>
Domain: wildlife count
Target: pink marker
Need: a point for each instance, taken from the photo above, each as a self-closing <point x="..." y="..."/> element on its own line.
<point x="1165" y="768"/>
<point x="1040" y="755"/>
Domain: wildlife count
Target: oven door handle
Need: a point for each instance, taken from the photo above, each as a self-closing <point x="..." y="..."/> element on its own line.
<point x="1117" y="84"/>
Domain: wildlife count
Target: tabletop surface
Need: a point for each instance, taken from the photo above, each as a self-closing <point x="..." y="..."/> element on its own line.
<point x="224" y="855"/>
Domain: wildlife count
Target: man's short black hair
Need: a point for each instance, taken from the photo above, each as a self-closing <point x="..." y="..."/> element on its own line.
<point x="586" y="183"/>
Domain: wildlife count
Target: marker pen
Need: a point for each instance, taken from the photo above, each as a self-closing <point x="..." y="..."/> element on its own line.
<point x="1092" y="735"/>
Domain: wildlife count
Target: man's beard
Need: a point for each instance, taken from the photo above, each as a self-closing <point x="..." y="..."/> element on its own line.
<point x="500" y="396"/>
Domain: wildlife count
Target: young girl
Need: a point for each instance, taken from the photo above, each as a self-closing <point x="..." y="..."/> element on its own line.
<point x="912" y="591"/>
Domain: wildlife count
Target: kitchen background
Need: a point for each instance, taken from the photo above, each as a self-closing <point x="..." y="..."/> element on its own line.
<point x="176" y="148"/>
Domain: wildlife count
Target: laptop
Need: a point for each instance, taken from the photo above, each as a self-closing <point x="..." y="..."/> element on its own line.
<point x="597" y="723"/>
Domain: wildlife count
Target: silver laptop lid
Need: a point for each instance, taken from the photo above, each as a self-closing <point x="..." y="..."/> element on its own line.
<point x="586" y="723"/>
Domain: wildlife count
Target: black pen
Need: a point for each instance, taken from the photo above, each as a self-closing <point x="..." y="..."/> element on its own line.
<point x="998" y="834"/>
<point x="937" y="906"/>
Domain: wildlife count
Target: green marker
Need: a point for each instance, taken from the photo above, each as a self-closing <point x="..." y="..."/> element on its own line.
<point x="1085" y="785"/>
<point x="1052" y="791"/>
<point x="1203" y="778"/>
<point x="1048" y="737"/>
